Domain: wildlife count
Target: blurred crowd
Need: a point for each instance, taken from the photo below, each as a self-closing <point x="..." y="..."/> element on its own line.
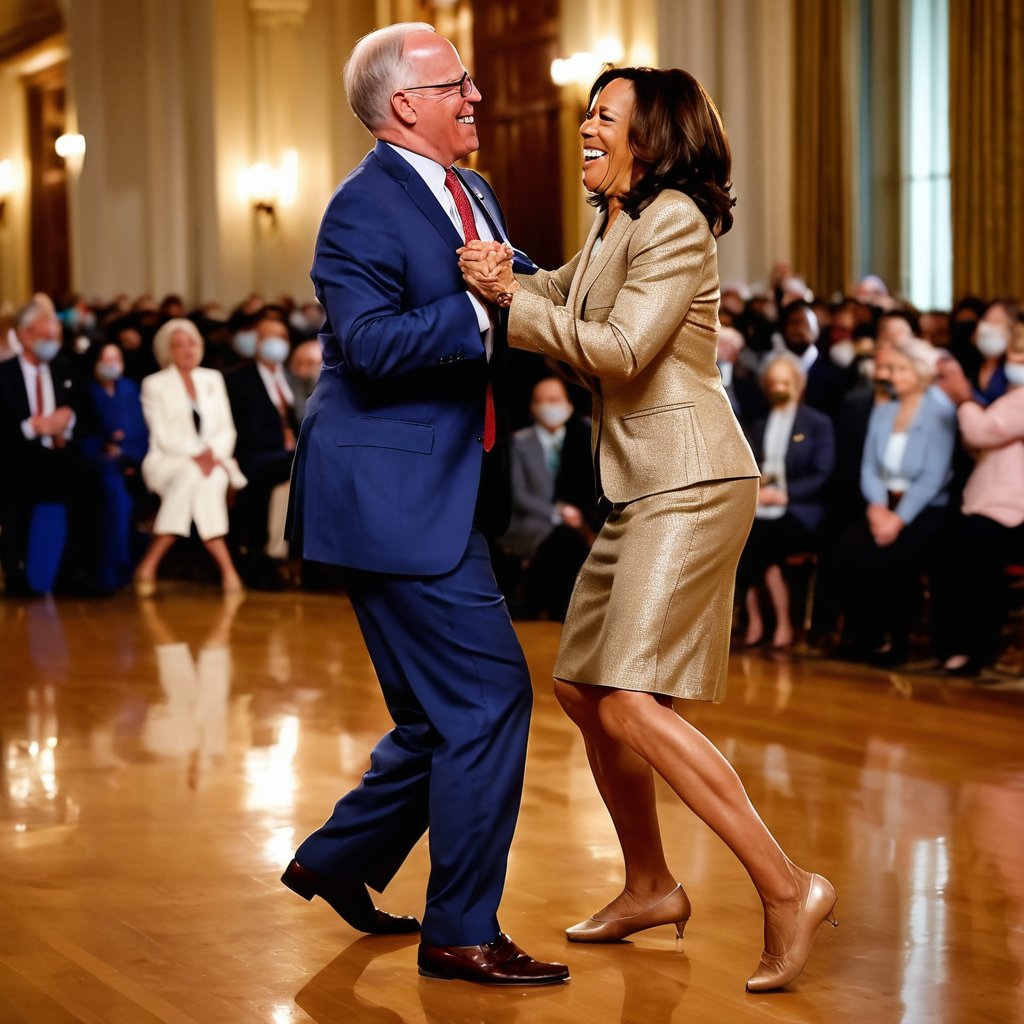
<point x="890" y="442"/>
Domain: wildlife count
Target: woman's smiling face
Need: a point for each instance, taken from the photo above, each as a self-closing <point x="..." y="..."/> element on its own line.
<point x="608" y="162"/>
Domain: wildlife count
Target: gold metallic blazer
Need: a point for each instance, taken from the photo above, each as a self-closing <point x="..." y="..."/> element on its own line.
<point x="638" y="321"/>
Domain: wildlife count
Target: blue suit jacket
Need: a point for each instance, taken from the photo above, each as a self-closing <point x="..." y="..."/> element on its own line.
<point x="810" y="461"/>
<point x="388" y="461"/>
<point x="927" y="461"/>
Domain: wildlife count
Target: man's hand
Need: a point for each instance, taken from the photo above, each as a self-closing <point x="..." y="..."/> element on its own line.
<point x="487" y="270"/>
<point x="950" y="377"/>
<point x="52" y="425"/>
<point x="206" y="462"/>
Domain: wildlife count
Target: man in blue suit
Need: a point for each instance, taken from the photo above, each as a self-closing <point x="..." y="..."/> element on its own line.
<point x="398" y="472"/>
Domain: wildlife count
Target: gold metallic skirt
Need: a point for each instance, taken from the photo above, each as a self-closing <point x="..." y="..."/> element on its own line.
<point x="652" y="607"/>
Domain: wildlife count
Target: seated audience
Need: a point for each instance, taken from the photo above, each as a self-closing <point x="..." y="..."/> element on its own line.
<point x="267" y="403"/>
<point x="969" y="591"/>
<point x="738" y="366"/>
<point x="114" y="447"/>
<point x="991" y="337"/>
<point x="905" y="474"/>
<point x="554" y="502"/>
<point x="795" y="450"/>
<point x="826" y="382"/>
<point x="305" y="363"/>
<point x="189" y="463"/>
<point x="38" y="459"/>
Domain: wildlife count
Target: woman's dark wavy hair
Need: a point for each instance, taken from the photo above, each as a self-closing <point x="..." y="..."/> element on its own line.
<point x="677" y="132"/>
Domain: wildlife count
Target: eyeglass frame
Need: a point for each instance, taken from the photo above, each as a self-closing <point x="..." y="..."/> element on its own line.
<point x="464" y="85"/>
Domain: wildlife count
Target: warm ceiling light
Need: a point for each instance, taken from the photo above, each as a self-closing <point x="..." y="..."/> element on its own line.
<point x="71" y="148"/>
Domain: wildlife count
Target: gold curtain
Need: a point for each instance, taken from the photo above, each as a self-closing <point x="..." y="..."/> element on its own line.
<point x="822" y="213"/>
<point x="986" y="142"/>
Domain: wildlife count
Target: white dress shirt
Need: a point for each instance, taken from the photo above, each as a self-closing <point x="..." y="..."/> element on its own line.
<point x="433" y="175"/>
<point x="276" y="384"/>
<point x="30" y="371"/>
<point x="777" y="432"/>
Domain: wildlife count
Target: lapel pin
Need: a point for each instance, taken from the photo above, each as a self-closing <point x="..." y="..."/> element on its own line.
<point x="798" y="438"/>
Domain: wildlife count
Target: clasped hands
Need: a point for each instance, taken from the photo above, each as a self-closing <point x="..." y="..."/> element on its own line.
<point x="487" y="269"/>
<point x="884" y="524"/>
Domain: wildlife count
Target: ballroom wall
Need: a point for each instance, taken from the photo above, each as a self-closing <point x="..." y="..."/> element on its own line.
<point x="176" y="99"/>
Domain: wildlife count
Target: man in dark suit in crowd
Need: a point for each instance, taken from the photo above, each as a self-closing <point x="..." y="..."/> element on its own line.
<point x="398" y="472"/>
<point x="267" y="404"/>
<point x="826" y="383"/>
<point x="554" y="501"/>
<point x="37" y="422"/>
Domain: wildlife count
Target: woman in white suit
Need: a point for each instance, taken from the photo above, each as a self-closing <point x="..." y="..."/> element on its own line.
<point x="190" y="462"/>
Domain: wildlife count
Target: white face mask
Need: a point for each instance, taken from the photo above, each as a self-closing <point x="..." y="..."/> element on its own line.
<point x="725" y="368"/>
<point x="842" y="353"/>
<point x="274" y="350"/>
<point x="991" y="340"/>
<point x="552" y="414"/>
<point x="1014" y="374"/>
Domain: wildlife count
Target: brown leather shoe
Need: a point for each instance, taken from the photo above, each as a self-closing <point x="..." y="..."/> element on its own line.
<point x="500" y="962"/>
<point x="349" y="899"/>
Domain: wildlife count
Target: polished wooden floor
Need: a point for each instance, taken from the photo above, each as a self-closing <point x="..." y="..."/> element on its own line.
<point x="161" y="759"/>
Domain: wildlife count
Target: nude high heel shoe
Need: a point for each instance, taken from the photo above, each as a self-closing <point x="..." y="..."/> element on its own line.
<point x="778" y="971"/>
<point x="671" y="909"/>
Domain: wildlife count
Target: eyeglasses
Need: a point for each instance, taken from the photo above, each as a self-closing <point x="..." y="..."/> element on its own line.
<point x="464" y="85"/>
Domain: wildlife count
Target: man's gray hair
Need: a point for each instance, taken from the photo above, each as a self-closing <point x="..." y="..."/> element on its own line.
<point x="29" y="314"/>
<point x="374" y="71"/>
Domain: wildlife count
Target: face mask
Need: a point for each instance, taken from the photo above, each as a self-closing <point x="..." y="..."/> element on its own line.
<point x="274" y="350"/>
<point x="1014" y="374"/>
<point x="46" y="349"/>
<point x="553" y="414"/>
<point x="725" y="368"/>
<point x="245" y="344"/>
<point x="108" y="371"/>
<point x="842" y="353"/>
<point x="779" y="397"/>
<point x="991" y="340"/>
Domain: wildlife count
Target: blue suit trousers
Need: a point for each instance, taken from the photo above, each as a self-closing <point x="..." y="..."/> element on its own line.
<point x="458" y="690"/>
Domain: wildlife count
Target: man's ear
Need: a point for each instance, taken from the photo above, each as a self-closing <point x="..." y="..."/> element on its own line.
<point x="404" y="110"/>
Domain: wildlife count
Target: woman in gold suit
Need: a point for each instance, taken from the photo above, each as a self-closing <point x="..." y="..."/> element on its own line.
<point x="635" y="315"/>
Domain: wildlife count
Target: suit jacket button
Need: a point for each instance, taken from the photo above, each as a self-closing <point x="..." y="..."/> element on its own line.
<point x="480" y="439"/>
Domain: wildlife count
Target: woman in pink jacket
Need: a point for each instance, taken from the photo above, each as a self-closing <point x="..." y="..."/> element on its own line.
<point x="969" y="588"/>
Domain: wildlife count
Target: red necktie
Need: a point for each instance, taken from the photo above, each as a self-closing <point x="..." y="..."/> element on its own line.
<point x="282" y="411"/>
<point x="454" y="186"/>
<point x="40" y="411"/>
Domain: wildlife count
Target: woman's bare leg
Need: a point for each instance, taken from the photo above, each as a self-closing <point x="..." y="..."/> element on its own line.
<point x="229" y="577"/>
<point x="706" y="782"/>
<point x="779" y="593"/>
<point x="150" y="562"/>
<point x="626" y="784"/>
<point x="755" y="624"/>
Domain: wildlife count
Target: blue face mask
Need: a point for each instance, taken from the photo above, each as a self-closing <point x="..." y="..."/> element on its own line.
<point x="245" y="344"/>
<point x="108" y="371"/>
<point x="46" y="349"/>
<point x="274" y="350"/>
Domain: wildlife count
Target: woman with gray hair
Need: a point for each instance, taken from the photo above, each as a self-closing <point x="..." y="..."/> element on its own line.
<point x="190" y="462"/>
<point x="796" y="451"/>
<point x="905" y="475"/>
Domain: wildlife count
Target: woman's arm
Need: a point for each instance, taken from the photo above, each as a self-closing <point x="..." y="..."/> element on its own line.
<point x="872" y="486"/>
<point x="1000" y="423"/>
<point x="936" y="468"/>
<point x="552" y="284"/>
<point x="663" y="277"/>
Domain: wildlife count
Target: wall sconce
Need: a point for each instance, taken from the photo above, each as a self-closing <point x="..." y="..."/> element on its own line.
<point x="584" y="66"/>
<point x="266" y="187"/>
<point x="71" y="148"/>
<point x="8" y="185"/>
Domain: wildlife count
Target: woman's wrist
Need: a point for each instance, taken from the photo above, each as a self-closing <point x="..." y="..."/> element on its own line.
<point x="504" y="298"/>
